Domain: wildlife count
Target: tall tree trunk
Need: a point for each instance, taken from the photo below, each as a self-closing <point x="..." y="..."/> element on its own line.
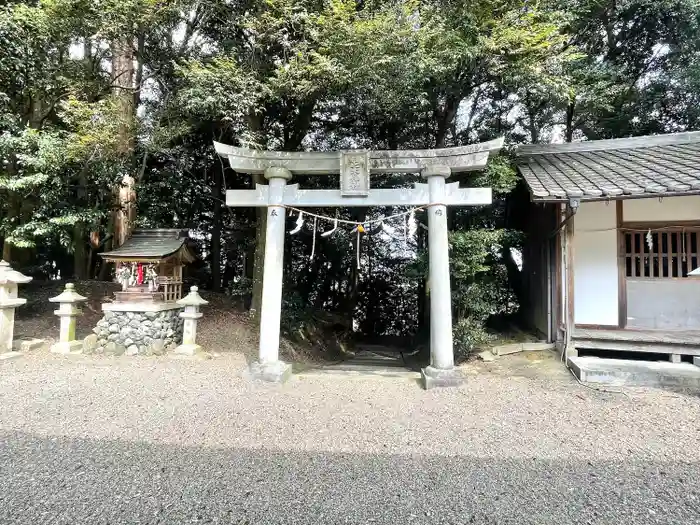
<point x="6" y="252"/>
<point x="104" y="265"/>
<point x="91" y="260"/>
<point x="445" y="117"/>
<point x="569" y="131"/>
<point x="24" y="257"/>
<point x="80" y="253"/>
<point x="472" y="114"/>
<point x="424" y="286"/>
<point x="122" y="195"/>
<point x="255" y="126"/>
<point x="215" y="246"/>
<point x="123" y="85"/>
<point x="259" y="258"/>
<point x="20" y="212"/>
<point x="532" y="127"/>
<point x="6" y="246"/>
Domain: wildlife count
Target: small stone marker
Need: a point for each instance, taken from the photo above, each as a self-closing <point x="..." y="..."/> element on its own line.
<point x="192" y="301"/>
<point x="68" y="311"/>
<point x="9" y="279"/>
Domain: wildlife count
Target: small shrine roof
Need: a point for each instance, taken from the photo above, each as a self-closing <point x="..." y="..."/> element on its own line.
<point x="152" y="245"/>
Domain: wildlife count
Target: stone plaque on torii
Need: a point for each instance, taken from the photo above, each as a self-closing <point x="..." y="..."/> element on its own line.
<point x="355" y="168"/>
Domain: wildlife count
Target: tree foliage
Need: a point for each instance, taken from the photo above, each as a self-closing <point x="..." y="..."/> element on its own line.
<point x="316" y="75"/>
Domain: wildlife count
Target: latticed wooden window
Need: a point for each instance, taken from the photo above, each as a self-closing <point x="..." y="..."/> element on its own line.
<point x="661" y="254"/>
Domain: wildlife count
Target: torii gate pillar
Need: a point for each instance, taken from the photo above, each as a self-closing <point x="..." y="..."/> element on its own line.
<point x="441" y="371"/>
<point x="269" y="367"/>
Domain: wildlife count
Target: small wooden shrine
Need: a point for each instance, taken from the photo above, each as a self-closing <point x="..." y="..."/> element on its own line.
<point x="149" y="265"/>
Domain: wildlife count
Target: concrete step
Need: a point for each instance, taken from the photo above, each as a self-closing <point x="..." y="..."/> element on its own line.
<point x="385" y="351"/>
<point x="623" y="372"/>
<point x="368" y="363"/>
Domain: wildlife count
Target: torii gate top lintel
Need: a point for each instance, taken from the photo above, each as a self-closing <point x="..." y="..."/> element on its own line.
<point x="458" y="159"/>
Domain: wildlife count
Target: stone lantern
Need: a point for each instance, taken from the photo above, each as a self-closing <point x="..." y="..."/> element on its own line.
<point x="68" y="311"/>
<point x="191" y="302"/>
<point x="9" y="279"/>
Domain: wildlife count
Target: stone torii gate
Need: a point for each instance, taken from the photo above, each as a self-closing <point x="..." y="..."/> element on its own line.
<point x="355" y="167"/>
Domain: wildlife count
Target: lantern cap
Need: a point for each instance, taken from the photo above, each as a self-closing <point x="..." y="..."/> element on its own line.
<point x="8" y="275"/>
<point x="193" y="298"/>
<point x="69" y="295"/>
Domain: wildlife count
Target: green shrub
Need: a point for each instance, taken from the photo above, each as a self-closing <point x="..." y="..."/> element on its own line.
<point x="241" y="287"/>
<point x="469" y="336"/>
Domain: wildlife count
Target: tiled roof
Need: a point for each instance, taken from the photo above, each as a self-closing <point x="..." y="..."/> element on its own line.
<point x="149" y="244"/>
<point x="617" y="168"/>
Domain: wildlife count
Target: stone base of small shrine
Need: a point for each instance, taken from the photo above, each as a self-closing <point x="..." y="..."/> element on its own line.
<point x="136" y="329"/>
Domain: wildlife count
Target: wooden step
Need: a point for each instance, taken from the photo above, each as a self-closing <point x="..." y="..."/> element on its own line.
<point x="650" y="341"/>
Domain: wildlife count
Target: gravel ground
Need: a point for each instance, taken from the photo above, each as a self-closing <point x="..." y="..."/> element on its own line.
<point x="159" y="440"/>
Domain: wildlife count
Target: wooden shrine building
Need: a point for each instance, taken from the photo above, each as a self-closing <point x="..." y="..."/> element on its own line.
<point x="613" y="239"/>
<point x="149" y="265"/>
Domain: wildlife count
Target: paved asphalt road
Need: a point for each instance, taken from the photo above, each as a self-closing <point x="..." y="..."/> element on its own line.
<point x="90" y="441"/>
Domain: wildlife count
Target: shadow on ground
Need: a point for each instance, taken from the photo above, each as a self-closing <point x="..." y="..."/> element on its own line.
<point x="82" y="481"/>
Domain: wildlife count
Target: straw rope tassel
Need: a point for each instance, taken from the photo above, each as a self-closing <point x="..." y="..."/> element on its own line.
<point x="330" y="232"/>
<point x="412" y="228"/>
<point x="300" y="224"/>
<point x="313" y="243"/>
<point x="391" y="232"/>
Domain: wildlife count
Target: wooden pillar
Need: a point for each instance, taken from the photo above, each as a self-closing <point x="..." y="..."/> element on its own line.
<point x="557" y="309"/>
<point x="569" y="257"/>
<point x="621" y="270"/>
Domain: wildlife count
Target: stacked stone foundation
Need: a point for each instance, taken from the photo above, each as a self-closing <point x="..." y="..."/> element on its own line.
<point x="136" y="332"/>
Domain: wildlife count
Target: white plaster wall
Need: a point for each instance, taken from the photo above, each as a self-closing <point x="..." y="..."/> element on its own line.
<point x="685" y="208"/>
<point x="668" y="304"/>
<point x="595" y="264"/>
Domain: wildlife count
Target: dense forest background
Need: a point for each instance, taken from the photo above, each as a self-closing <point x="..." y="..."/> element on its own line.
<point x="108" y="111"/>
